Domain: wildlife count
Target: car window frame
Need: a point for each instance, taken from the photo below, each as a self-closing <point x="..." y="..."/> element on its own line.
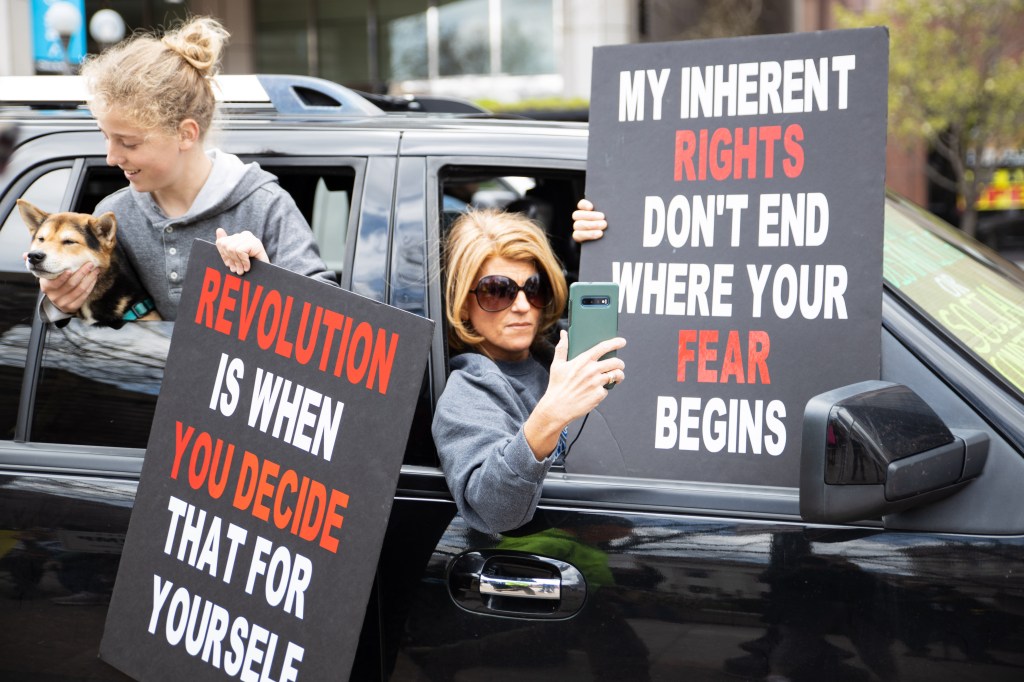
<point x="435" y="165"/>
<point x="108" y="460"/>
<point x="72" y="200"/>
<point x="37" y="335"/>
<point x="62" y="458"/>
<point x="986" y="261"/>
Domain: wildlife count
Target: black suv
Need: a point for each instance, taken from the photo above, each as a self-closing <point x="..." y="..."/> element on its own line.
<point x="658" y="578"/>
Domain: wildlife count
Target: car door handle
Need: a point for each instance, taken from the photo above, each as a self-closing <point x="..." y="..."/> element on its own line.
<point x="511" y="583"/>
<point x="526" y="588"/>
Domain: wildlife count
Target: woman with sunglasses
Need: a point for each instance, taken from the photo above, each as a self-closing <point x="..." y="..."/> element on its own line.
<point x="502" y="420"/>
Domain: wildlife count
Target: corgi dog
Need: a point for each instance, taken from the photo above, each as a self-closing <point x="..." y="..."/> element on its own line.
<point x="66" y="241"/>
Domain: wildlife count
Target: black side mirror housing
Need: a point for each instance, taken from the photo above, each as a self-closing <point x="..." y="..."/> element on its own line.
<point x="876" y="448"/>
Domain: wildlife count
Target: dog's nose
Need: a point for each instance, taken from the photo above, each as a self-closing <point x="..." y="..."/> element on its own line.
<point x="36" y="257"/>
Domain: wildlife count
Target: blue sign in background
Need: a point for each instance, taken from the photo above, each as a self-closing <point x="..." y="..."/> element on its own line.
<point x="47" y="50"/>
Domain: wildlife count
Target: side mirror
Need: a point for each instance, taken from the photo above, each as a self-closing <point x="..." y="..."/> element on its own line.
<point x="877" y="448"/>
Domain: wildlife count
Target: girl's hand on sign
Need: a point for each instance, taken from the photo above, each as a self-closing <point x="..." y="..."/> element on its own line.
<point x="239" y="250"/>
<point x="588" y="224"/>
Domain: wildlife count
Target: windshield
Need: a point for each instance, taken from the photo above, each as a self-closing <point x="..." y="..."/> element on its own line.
<point x="975" y="303"/>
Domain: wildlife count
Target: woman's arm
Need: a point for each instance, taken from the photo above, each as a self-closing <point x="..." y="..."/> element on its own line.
<point x="490" y="468"/>
<point x="494" y="454"/>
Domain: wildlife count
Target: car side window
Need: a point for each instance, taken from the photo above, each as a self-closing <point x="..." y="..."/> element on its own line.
<point x="325" y="196"/>
<point x="19" y="292"/>
<point x="547" y="196"/>
<point x="99" y="386"/>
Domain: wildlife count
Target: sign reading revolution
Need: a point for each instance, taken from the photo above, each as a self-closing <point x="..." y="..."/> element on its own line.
<point x="268" y="479"/>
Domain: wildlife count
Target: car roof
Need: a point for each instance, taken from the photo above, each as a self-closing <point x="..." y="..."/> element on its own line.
<point x="271" y="92"/>
<point x="61" y="102"/>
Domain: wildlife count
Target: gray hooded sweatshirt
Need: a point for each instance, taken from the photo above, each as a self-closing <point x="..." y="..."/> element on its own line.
<point x="237" y="197"/>
<point x="478" y="429"/>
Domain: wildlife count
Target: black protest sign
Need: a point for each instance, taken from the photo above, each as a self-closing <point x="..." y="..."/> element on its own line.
<point x="268" y="479"/>
<point x="743" y="182"/>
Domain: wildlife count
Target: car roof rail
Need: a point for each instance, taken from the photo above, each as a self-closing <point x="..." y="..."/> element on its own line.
<point x="426" y="104"/>
<point x="306" y="94"/>
<point x="286" y="94"/>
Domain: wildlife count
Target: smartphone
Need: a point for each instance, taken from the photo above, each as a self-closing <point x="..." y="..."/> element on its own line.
<point x="593" y="315"/>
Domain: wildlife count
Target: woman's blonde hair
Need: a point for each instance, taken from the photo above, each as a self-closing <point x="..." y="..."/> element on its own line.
<point x="158" y="82"/>
<point x="482" y="234"/>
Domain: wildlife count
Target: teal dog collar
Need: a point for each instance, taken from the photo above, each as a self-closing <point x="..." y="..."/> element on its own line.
<point x="140" y="309"/>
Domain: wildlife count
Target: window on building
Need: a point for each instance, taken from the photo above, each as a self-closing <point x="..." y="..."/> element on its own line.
<point x="463" y="38"/>
<point x="283" y="30"/>
<point x="406" y="40"/>
<point x="403" y="44"/>
<point x="527" y="38"/>
<point x="342" y="43"/>
<point x="448" y="38"/>
<point x="138" y="15"/>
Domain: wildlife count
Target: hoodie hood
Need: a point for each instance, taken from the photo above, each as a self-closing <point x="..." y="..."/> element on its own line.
<point x="230" y="182"/>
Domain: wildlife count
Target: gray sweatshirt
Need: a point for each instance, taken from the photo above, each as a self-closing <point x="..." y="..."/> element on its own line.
<point x="478" y="429"/>
<point x="237" y="197"/>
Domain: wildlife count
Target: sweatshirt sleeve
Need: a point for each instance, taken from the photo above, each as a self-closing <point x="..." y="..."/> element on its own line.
<point x="289" y="240"/>
<point x="490" y="468"/>
<point x="49" y="312"/>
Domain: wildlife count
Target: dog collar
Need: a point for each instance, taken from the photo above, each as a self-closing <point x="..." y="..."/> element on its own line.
<point x="140" y="309"/>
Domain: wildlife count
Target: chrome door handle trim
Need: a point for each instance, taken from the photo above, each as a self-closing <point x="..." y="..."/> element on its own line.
<point x="526" y="588"/>
<point x="495" y="583"/>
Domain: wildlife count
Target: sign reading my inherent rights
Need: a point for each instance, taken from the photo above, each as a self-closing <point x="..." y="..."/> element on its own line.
<point x="743" y="182"/>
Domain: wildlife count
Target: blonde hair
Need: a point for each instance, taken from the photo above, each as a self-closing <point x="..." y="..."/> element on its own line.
<point x="158" y="82"/>
<point x="479" y="235"/>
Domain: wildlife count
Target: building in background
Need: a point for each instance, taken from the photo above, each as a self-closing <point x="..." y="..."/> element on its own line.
<point x="503" y="51"/>
<point x="500" y="50"/>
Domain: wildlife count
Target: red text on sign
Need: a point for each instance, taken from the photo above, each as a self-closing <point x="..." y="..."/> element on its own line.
<point x="296" y="504"/>
<point x="702" y="347"/>
<point x="738" y="153"/>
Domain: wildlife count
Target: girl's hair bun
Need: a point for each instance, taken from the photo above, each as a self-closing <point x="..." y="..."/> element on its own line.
<point x="200" y="42"/>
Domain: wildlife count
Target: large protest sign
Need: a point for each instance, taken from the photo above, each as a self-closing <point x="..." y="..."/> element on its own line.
<point x="268" y="479"/>
<point x="743" y="181"/>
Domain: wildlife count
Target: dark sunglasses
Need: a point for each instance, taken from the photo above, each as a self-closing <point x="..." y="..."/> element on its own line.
<point x="494" y="293"/>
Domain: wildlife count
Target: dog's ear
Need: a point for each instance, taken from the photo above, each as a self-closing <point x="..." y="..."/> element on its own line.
<point x="32" y="216"/>
<point x="105" y="227"/>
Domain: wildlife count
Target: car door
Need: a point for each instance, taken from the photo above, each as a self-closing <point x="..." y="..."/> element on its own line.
<point x="65" y="500"/>
<point x="77" y="401"/>
<point x="626" y="577"/>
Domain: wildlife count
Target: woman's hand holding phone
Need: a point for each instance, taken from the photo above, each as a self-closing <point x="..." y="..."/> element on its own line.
<point x="575" y="387"/>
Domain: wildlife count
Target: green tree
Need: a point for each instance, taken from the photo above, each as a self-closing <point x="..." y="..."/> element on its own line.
<point x="956" y="82"/>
